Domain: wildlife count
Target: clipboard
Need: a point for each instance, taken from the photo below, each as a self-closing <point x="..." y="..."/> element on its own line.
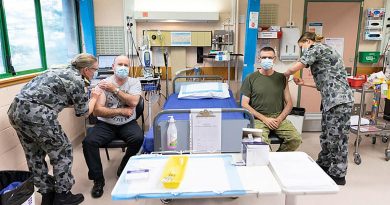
<point x="205" y="113"/>
<point x="206" y="130"/>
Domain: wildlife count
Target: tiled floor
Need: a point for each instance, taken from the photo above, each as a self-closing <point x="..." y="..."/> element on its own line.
<point x="368" y="183"/>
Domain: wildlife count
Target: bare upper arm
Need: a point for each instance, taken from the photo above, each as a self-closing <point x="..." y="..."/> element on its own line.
<point x="101" y="101"/>
<point x="245" y="101"/>
<point x="287" y="94"/>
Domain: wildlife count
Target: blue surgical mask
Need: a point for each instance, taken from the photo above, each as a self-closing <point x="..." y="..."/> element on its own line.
<point x="266" y="64"/>
<point x="122" y="72"/>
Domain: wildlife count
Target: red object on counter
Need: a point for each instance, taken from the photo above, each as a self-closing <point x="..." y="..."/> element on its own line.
<point x="356" y="81"/>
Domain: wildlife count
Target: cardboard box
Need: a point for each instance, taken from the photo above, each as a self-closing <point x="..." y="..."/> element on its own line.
<point x="255" y="153"/>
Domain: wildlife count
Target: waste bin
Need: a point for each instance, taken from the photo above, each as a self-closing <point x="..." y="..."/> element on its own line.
<point x="22" y="194"/>
<point x="296" y="116"/>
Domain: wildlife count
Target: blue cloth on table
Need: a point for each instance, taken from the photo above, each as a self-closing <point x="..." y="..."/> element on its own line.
<point x="174" y="102"/>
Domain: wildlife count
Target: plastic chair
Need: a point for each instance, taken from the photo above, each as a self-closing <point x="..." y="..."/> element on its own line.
<point x="119" y="143"/>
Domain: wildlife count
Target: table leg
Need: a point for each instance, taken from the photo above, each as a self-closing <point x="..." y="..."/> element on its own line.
<point x="291" y="199"/>
<point x="229" y="72"/>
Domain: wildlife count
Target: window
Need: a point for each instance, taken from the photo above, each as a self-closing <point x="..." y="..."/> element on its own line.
<point x="37" y="35"/>
<point x="23" y="35"/>
<point x="60" y="31"/>
<point x="2" y="69"/>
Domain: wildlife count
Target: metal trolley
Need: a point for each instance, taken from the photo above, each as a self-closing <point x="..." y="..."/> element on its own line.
<point x="378" y="129"/>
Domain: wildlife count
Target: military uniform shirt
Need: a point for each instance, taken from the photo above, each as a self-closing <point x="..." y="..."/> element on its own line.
<point x="327" y="68"/>
<point x="49" y="93"/>
<point x="266" y="93"/>
<point x="133" y="87"/>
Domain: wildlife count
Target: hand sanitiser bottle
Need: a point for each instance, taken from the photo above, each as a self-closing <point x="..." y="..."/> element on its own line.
<point x="172" y="134"/>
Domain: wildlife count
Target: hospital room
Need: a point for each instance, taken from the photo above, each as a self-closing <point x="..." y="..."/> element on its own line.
<point x="269" y="102"/>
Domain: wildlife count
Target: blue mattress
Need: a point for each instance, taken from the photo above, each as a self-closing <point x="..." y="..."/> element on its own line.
<point x="174" y="102"/>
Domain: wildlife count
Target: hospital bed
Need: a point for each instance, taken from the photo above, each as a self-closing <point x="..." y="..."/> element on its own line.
<point x="233" y="119"/>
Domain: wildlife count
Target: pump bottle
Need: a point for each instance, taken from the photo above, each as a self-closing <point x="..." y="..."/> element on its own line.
<point x="171" y="134"/>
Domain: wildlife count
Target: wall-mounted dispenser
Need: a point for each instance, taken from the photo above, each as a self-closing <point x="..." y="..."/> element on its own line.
<point x="289" y="49"/>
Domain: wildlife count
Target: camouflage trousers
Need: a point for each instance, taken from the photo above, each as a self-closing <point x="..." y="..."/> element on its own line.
<point x="335" y="126"/>
<point x="286" y="130"/>
<point x="38" y="141"/>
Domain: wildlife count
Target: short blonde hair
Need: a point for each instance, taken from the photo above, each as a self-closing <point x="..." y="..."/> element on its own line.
<point x="83" y="60"/>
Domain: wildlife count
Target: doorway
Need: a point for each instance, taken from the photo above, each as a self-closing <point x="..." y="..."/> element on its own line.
<point x="339" y="21"/>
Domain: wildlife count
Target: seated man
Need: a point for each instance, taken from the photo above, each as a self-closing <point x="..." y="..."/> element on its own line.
<point x="115" y="109"/>
<point x="266" y="95"/>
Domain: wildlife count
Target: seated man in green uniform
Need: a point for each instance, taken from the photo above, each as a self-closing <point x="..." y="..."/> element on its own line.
<point x="267" y="96"/>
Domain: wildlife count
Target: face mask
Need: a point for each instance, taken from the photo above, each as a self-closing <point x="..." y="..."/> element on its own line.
<point x="95" y="75"/>
<point x="266" y="64"/>
<point x="304" y="50"/>
<point x="122" y="72"/>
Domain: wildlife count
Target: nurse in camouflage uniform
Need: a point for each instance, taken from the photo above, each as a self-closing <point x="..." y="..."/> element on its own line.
<point x="33" y="114"/>
<point x="327" y="68"/>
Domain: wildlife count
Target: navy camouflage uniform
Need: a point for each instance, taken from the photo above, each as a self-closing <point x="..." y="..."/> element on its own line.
<point x="33" y="114"/>
<point x="327" y="68"/>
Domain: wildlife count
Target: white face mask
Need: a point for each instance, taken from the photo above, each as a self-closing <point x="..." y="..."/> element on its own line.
<point x="95" y="75"/>
<point x="122" y="72"/>
<point x="303" y="50"/>
<point x="266" y="64"/>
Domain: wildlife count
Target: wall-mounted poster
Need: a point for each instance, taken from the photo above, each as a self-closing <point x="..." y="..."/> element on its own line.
<point x="316" y="27"/>
<point x="180" y="38"/>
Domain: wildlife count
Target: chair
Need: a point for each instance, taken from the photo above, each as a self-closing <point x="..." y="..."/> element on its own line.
<point x="275" y="139"/>
<point x="118" y="143"/>
<point x="272" y="136"/>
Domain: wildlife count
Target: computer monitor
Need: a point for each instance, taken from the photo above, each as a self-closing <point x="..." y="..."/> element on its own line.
<point x="106" y="61"/>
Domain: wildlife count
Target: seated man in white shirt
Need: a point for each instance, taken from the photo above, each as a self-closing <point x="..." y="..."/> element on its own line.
<point x="115" y="110"/>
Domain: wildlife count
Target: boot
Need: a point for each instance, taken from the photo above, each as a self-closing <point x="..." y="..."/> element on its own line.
<point x="47" y="198"/>
<point x="339" y="180"/>
<point x="67" y="198"/>
<point x="324" y="168"/>
<point x="97" y="189"/>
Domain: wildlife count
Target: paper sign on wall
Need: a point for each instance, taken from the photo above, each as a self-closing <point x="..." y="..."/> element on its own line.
<point x="180" y="38"/>
<point x="316" y="28"/>
<point x="337" y="44"/>
<point x="253" y="20"/>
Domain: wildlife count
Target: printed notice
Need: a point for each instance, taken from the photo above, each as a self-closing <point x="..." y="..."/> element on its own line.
<point x="180" y="38"/>
<point x="206" y="129"/>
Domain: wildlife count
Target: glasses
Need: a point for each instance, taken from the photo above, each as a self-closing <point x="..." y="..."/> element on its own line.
<point x="93" y="69"/>
<point x="265" y="57"/>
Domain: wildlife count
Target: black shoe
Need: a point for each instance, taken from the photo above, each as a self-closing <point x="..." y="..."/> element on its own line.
<point x="97" y="189"/>
<point x="67" y="198"/>
<point x="47" y="198"/>
<point x="339" y="180"/>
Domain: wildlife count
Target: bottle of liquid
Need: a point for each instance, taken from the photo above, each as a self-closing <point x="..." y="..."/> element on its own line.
<point x="171" y="134"/>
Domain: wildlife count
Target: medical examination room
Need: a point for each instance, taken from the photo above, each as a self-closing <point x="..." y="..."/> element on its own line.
<point x="145" y="102"/>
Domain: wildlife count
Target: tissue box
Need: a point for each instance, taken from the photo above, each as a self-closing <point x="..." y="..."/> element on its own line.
<point x="255" y="153"/>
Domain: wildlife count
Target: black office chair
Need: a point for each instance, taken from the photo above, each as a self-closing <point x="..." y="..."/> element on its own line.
<point x="274" y="138"/>
<point x="118" y="143"/>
